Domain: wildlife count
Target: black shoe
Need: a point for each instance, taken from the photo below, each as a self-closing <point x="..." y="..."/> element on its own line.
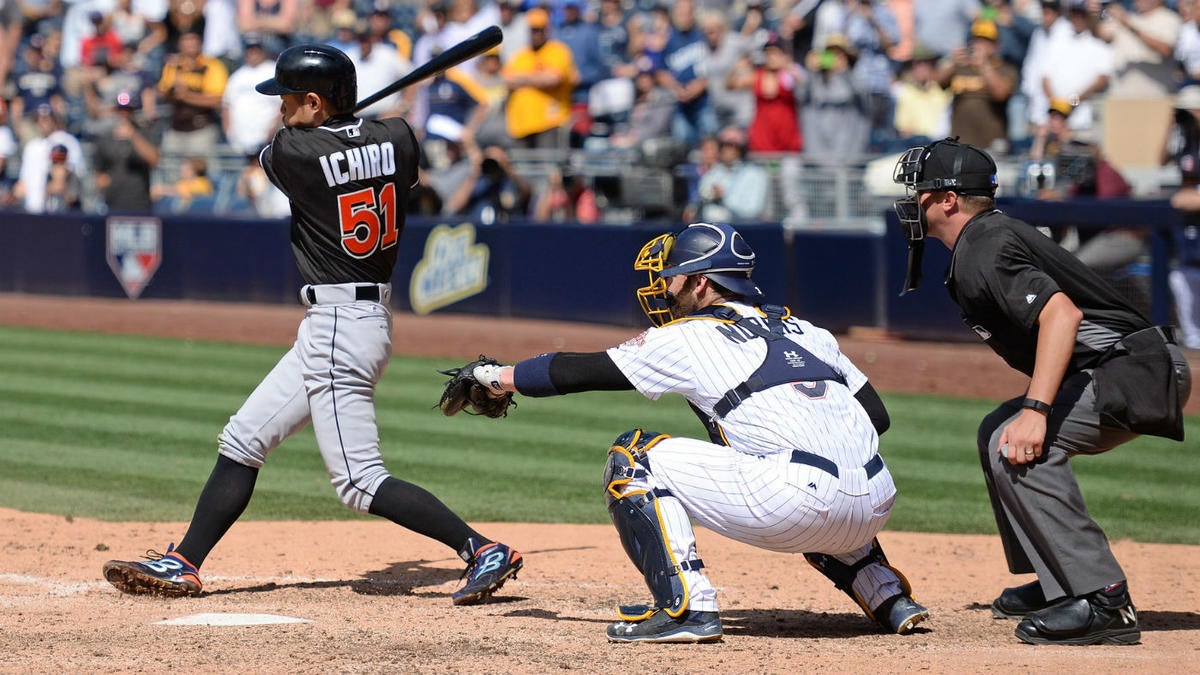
<point x="1015" y="603"/>
<point x="662" y="627"/>
<point x="1098" y="618"/>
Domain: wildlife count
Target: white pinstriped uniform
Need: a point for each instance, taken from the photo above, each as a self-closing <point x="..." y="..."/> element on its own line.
<point x="750" y="490"/>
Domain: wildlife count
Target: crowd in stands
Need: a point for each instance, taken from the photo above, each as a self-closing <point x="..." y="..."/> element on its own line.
<point x="116" y="98"/>
<point x="134" y="105"/>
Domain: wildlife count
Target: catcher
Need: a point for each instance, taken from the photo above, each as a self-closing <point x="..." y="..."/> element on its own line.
<point x="792" y="461"/>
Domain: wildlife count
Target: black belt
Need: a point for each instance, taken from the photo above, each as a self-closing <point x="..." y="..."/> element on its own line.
<point x="873" y="467"/>
<point x="370" y="293"/>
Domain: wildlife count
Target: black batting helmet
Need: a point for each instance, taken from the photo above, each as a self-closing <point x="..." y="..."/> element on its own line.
<point x="318" y="68"/>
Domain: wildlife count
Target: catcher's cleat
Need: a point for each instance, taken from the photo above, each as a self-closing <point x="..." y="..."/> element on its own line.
<point x="1099" y="618"/>
<point x="167" y="574"/>
<point x="486" y="572"/>
<point x="662" y="627"/>
<point x="900" y="614"/>
<point x="1016" y="602"/>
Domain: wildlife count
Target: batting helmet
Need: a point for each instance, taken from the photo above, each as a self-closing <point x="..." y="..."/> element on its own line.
<point x="318" y="68"/>
<point x="714" y="250"/>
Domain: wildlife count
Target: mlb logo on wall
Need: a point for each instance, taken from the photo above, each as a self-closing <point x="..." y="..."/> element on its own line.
<point x="134" y="251"/>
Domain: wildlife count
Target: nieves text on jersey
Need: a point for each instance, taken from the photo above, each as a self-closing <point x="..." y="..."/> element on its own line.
<point x="368" y="161"/>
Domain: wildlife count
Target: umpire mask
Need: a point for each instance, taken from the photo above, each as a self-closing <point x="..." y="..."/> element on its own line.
<point x="716" y="251"/>
<point x="943" y="166"/>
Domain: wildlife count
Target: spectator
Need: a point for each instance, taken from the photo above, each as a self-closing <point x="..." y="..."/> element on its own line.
<point x="64" y="187"/>
<point x="382" y="26"/>
<point x="728" y="54"/>
<point x="117" y="73"/>
<point x="833" y="117"/>
<point x="614" y="38"/>
<point x="682" y="70"/>
<point x="981" y="83"/>
<point x="257" y="191"/>
<point x="1054" y="26"/>
<point x="222" y="37"/>
<point x="872" y="31"/>
<point x="1143" y="43"/>
<point x="943" y="25"/>
<point x="755" y="25"/>
<point x="798" y="27"/>
<point x="274" y="20"/>
<point x="492" y="191"/>
<point x="735" y="190"/>
<point x="37" y="81"/>
<point x="378" y="64"/>
<point x="650" y="117"/>
<point x="775" y="83"/>
<point x="922" y="105"/>
<point x="582" y="37"/>
<point x="458" y="105"/>
<point x="540" y="79"/>
<point x="192" y="85"/>
<point x="140" y="24"/>
<point x="8" y="150"/>
<point x="342" y="23"/>
<point x="1183" y="149"/>
<point x="184" y="16"/>
<point x="193" y="183"/>
<point x="102" y="41"/>
<point x="488" y="73"/>
<point x="36" y="165"/>
<point x="10" y="36"/>
<point x="126" y="157"/>
<point x="1077" y="67"/>
<point x="1015" y="29"/>
<point x="515" y="28"/>
<point x="1063" y="167"/>
<point x="249" y="118"/>
<point x="1187" y="47"/>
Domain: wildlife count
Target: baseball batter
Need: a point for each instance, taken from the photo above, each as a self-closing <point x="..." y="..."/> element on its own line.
<point x="791" y="463"/>
<point x="348" y="181"/>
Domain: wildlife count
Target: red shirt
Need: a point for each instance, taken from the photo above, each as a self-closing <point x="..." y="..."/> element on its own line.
<point x="776" y="124"/>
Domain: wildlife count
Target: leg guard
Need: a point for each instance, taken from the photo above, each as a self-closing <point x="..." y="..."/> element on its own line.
<point x="643" y="518"/>
<point x="843" y="575"/>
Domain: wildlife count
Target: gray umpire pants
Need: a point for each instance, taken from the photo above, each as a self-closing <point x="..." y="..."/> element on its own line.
<point x="1043" y="521"/>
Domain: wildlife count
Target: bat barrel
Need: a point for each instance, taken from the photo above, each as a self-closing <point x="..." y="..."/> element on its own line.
<point x="471" y="47"/>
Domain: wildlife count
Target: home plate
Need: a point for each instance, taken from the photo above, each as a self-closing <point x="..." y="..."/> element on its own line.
<point x="225" y="619"/>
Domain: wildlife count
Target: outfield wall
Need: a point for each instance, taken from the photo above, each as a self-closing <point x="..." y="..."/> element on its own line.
<point x="573" y="272"/>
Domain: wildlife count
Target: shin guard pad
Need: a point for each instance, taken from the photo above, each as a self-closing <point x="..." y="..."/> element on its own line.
<point x="843" y="575"/>
<point x="645" y="519"/>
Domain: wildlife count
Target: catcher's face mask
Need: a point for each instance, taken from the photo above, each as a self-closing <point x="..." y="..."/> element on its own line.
<point x="653" y="297"/>
<point x="713" y="250"/>
<point x="944" y="166"/>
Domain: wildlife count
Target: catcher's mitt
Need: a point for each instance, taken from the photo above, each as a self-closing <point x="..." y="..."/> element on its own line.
<point x="464" y="393"/>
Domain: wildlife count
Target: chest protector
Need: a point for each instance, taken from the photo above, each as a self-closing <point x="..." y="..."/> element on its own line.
<point x="786" y="362"/>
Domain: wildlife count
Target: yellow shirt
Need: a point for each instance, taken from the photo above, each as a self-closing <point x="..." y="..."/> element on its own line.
<point x="531" y="110"/>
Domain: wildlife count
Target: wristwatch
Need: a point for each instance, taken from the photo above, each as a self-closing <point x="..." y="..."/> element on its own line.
<point x="1034" y="404"/>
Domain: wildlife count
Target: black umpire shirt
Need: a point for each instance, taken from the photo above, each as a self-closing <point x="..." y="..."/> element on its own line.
<point x="348" y="182"/>
<point x="1002" y="273"/>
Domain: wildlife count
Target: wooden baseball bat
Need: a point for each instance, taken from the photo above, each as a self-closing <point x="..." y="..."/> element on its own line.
<point x="471" y="47"/>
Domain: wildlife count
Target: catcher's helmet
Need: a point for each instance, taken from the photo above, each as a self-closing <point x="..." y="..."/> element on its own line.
<point x="318" y="68"/>
<point x="716" y="251"/>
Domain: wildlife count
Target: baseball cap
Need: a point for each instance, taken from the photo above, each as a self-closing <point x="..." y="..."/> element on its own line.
<point x="58" y="153"/>
<point x="537" y="18"/>
<point x="983" y="28"/>
<point x="963" y="168"/>
<point x="128" y="99"/>
<point x="1060" y="106"/>
<point x="773" y="40"/>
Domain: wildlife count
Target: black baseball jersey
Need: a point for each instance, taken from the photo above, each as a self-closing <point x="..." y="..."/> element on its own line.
<point x="348" y="182"/>
<point x="1002" y="273"/>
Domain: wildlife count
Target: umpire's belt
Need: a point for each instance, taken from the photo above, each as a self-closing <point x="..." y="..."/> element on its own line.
<point x="336" y="294"/>
<point x="873" y="467"/>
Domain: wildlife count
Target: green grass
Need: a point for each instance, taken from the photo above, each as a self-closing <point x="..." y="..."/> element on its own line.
<point x="124" y="428"/>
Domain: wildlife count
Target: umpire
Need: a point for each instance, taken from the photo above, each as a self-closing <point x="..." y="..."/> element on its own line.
<point x="1100" y="375"/>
